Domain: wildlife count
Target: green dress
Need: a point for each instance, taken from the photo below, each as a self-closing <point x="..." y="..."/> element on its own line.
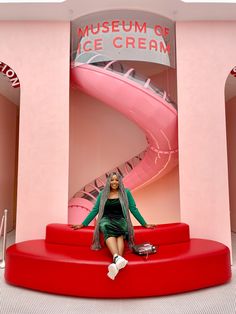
<point x="122" y="222"/>
<point x="113" y="223"/>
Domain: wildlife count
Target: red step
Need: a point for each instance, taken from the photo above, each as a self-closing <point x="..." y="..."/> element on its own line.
<point x="163" y="234"/>
<point x="70" y="268"/>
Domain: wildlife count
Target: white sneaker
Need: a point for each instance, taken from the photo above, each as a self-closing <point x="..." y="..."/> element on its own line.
<point x="120" y="262"/>
<point x="112" y="271"/>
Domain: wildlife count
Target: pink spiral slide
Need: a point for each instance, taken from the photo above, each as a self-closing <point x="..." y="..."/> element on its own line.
<point x="144" y="104"/>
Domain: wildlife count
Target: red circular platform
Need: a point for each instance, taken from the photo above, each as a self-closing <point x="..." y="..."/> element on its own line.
<point x="63" y="263"/>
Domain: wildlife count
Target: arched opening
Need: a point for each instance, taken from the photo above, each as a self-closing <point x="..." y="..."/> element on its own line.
<point x="102" y="138"/>
<point x="230" y="109"/>
<point x="95" y="128"/>
<point x="9" y="135"/>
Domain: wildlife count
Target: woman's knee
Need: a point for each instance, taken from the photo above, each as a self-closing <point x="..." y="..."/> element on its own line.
<point x="104" y="225"/>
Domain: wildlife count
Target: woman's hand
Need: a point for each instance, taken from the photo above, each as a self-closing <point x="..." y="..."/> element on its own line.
<point x="150" y="226"/>
<point x="75" y="227"/>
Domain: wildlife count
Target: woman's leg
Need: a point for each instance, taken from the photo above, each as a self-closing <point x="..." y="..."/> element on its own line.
<point x="112" y="245"/>
<point x="116" y="248"/>
<point x="116" y="245"/>
<point x="120" y="245"/>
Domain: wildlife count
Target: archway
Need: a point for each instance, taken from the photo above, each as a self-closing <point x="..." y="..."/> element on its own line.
<point x="95" y="128"/>
<point x="9" y="130"/>
<point x="230" y="110"/>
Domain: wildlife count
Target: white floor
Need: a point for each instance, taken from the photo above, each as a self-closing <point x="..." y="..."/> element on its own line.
<point x="216" y="300"/>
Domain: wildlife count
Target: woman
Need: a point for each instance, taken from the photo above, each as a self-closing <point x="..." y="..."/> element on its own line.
<point x="112" y="206"/>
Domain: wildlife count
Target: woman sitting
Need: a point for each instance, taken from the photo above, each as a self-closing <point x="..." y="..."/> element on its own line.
<point x="112" y="206"/>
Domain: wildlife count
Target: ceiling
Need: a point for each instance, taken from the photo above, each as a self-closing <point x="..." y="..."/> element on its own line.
<point x="69" y="10"/>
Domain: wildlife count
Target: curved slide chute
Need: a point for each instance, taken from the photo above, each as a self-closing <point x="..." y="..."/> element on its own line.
<point x="144" y="104"/>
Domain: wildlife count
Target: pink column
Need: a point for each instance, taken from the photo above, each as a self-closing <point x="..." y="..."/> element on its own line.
<point x="205" y="56"/>
<point x="39" y="53"/>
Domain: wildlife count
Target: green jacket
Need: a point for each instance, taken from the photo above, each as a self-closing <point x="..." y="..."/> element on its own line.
<point x="132" y="207"/>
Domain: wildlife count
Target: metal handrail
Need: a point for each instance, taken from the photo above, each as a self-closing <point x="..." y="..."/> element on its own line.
<point x="3" y="229"/>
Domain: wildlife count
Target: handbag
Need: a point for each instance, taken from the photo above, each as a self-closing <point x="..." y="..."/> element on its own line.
<point x="144" y="249"/>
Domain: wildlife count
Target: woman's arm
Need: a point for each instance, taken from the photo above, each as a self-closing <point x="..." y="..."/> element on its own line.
<point x="134" y="210"/>
<point x="91" y="215"/>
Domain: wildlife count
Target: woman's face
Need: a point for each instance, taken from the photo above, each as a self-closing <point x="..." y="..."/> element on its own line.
<point x="114" y="182"/>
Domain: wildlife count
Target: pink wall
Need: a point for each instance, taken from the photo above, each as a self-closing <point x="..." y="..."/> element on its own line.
<point x="205" y="56"/>
<point x="39" y="53"/>
<point x="159" y="202"/>
<point x="8" y="135"/>
<point x="100" y="139"/>
<point x="231" y="140"/>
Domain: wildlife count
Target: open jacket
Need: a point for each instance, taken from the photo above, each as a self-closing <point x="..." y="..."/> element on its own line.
<point x="132" y="207"/>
